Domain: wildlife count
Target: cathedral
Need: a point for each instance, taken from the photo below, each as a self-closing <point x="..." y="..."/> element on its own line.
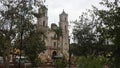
<point x="56" y="41"/>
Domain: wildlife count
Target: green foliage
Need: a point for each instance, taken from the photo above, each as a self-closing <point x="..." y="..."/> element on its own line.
<point x="16" y="21"/>
<point x="33" y="45"/>
<point x="87" y="37"/>
<point x="60" y="63"/>
<point x="110" y="28"/>
<point x="99" y="34"/>
<point x="58" y="31"/>
<point x="91" y="62"/>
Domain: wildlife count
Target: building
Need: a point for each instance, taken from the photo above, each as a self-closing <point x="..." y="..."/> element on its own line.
<point x="56" y="39"/>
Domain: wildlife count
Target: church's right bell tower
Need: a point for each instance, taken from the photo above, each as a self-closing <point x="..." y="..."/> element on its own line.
<point x="63" y="23"/>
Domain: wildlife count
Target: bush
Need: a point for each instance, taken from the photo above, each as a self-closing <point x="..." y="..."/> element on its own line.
<point x="91" y="62"/>
<point x="60" y="63"/>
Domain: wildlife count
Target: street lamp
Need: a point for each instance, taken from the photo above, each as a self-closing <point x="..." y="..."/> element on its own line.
<point x="21" y="34"/>
<point x="69" y="53"/>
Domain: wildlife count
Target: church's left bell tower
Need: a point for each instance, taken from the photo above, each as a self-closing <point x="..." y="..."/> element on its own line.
<point x="42" y="20"/>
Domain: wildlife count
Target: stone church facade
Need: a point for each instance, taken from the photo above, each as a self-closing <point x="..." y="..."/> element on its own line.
<point x="53" y="42"/>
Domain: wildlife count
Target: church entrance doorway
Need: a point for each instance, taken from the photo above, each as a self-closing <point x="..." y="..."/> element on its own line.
<point x="54" y="54"/>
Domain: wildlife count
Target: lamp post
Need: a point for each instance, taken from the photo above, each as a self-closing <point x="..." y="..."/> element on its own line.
<point x="21" y="34"/>
<point x="20" y="51"/>
<point x="69" y="53"/>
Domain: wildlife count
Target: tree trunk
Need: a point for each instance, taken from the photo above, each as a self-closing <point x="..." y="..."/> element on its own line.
<point x="6" y="65"/>
<point x="6" y="58"/>
<point x="4" y="61"/>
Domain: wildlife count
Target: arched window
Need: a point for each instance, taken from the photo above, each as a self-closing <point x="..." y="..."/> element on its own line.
<point x="65" y="28"/>
<point x="65" y="19"/>
<point x="55" y="36"/>
<point x="43" y="23"/>
<point x="54" y="44"/>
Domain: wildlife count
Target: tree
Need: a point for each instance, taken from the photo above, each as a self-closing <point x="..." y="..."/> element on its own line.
<point x="58" y="32"/>
<point x="84" y="34"/>
<point x="74" y="49"/>
<point x="110" y="30"/>
<point x="33" y="46"/>
<point x="15" y="17"/>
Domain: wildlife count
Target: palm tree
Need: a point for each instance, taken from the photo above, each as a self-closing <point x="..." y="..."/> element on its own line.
<point x="58" y="32"/>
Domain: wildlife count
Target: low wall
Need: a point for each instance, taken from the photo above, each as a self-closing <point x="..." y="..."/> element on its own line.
<point x="16" y="66"/>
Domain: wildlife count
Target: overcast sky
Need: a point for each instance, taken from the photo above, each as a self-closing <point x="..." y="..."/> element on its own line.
<point x="74" y="8"/>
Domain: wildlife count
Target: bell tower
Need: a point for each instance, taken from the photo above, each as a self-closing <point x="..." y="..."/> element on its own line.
<point x="42" y="19"/>
<point x="63" y="23"/>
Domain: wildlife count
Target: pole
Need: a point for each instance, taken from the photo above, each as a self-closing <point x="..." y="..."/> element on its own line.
<point x="69" y="52"/>
<point x="21" y="34"/>
<point x="20" y="51"/>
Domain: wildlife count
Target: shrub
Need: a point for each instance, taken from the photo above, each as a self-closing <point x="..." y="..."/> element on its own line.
<point x="91" y="62"/>
<point x="60" y="63"/>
